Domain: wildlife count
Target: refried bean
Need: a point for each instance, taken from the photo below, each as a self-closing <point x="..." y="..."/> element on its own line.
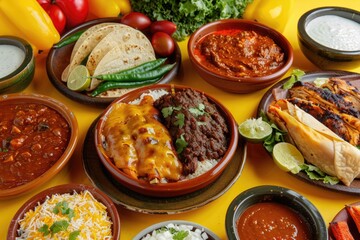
<point x="239" y="53"/>
<point x="197" y="128"/>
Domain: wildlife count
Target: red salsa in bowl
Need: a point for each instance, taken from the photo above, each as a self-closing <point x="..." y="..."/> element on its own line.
<point x="37" y="138"/>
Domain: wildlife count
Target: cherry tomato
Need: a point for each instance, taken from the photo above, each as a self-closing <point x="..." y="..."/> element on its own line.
<point x="136" y="20"/>
<point x="163" y="44"/>
<point x="163" y="26"/>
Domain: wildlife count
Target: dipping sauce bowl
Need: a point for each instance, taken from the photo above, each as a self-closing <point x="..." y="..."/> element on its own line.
<point x="17" y="64"/>
<point x="330" y="37"/>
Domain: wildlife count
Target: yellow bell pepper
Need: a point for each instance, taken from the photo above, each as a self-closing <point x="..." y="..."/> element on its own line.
<point x="28" y="20"/>
<point x="109" y="8"/>
<point x="272" y="13"/>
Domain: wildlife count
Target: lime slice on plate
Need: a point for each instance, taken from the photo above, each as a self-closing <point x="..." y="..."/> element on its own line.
<point x="79" y="79"/>
<point x="255" y="130"/>
<point x="287" y="157"/>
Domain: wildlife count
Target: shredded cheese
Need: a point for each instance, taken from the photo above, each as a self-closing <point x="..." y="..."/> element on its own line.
<point x="90" y="218"/>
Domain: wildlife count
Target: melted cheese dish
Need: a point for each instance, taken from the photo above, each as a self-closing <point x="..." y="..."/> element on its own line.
<point x="139" y="144"/>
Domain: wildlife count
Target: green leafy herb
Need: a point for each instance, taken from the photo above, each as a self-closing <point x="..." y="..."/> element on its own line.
<point x="315" y="173"/>
<point x="63" y="208"/>
<point x="180" y="144"/>
<point x="180" y="235"/>
<point x="59" y="226"/>
<point x="199" y="111"/>
<point x="168" y="111"/>
<point x="73" y="235"/>
<point x="189" y="15"/>
<point x="296" y="75"/>
<point x="276" y="136"/>
<point x="180" y="119"/>
<point x="44" y="229"/>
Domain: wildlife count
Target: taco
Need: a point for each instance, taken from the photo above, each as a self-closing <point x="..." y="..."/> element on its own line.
<point x="319" y="145"/>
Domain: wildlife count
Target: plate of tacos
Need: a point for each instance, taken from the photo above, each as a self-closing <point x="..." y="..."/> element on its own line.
<point x="105" y="46"/>
<point x="320" y="114"/>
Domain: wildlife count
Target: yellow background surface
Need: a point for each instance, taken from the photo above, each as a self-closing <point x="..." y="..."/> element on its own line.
<point x="259" y="168"/>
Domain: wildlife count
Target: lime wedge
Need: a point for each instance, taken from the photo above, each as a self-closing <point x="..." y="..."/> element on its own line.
<point x="79" y="79"/>
<point x="255" y="130"/>
<point x="287" y="157"/>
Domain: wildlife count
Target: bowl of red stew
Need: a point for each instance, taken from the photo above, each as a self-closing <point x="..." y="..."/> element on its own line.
<point x="166" y="140"/>
<point x="238" y="55"/>
<point x="68" y="211"/>
<point x="273" y="212"/>
<point x="38" y="136"/>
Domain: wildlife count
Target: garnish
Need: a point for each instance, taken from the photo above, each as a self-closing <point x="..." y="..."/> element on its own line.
<point x="167" y="111"/>
<point x="44" y="229"/>
<point x="314" y="173"/>
<point x="180" y="235"/>
<point x="73" y="235"/>
<point x="180" y="119"/>
<point x="59" y="226"/>
<point x="199" y="111"/>
<point x="63" y="208"/>
<point x="180" y="144"/>
<point x="296" y="75"/>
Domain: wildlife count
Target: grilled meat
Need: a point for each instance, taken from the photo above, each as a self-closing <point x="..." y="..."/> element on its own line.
<point x="345" y="126"/>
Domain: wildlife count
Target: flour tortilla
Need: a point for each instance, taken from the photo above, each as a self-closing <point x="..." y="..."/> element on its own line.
<point x="87" y="45"/>
<point x="121" y="57"/>
<point x="319" y="145"/>
<point x="124" y="35"/>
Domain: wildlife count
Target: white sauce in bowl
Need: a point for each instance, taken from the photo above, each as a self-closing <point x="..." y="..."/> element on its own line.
<point x="11" y="58"/>
<point x="335" y="32"/>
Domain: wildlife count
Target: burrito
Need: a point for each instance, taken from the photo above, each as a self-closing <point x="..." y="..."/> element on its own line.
<point x="319" y="145"/>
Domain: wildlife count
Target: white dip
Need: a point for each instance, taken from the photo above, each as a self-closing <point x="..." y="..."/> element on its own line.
<point x="335" y="32"/>
<point x="11" y="58"/>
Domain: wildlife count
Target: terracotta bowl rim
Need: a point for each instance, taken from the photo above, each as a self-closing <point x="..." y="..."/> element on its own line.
<point x="62" y="189"/>
<point x="177" y="188"/>
<point x="275" y="35"/>
<point x="61" y="162"/>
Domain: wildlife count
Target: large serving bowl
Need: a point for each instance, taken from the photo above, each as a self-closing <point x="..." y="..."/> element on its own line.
<point x="242" y="84"/>
<point x="318" y="53"/>
<point x="178" y="225"/>
<point x="173" y="188"/>
<point x="18" y="67"/>
<point x="307" y="212"/>
<point x="43" y="173"/>
<point x="66" y="189"/>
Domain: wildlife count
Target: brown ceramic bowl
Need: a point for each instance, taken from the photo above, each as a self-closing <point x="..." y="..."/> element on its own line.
<point x="63" y="189"/>
<point x="52" y="170"/>
<point x="239" y="84"/>
<point x="174" y="188"/>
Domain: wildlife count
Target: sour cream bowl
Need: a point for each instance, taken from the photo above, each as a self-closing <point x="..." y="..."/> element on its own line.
<point x="17" y="64"/>
<point x="330" y="37"/>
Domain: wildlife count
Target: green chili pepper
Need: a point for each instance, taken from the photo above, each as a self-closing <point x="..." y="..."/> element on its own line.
<point x="136" y="77"/>
<point x="70" y="39"/>
<point x="147" y="66"/>
<point x="105" y="86"/>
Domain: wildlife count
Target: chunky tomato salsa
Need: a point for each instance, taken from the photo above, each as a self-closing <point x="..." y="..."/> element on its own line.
<point x="239" y="53"/>
<point x="32" y="138"/>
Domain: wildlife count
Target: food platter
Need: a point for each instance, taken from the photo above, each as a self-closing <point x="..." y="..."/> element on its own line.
<point x="342" y="215"/>
<point x="59" y="58"/>
<point x="131" y="200"/>
<point x="268" y="98"/>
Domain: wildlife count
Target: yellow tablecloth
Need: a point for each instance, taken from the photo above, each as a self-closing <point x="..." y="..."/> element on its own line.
<point x="259" y="168"/>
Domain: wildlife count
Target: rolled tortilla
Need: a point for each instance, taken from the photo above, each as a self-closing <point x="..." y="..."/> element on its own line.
<point x="319" y="145"/>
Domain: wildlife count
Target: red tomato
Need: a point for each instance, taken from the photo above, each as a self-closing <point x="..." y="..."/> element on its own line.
<point x="163" y="44"/>
<point x="163" y="26"/>
<point x="136" y="20"/>
<point x="74" y="11"/>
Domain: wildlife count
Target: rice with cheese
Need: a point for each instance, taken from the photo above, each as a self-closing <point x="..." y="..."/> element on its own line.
<point x="89" y="220"/>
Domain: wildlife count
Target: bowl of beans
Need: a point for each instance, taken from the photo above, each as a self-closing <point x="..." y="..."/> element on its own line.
<point x="238" y="55"/>
<point x="38" y="136"/>
<point x="330" y="37"/>
<point x="166" y="140"/>
<point x="273" y="212"/>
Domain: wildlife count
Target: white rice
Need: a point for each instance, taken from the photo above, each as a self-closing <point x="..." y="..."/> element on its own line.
<point x="170" y="230"/>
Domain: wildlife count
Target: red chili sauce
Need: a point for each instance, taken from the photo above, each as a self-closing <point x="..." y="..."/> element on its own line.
<point x="239" y="53"/>
<point x="32" y="138"/>
<point x="271" y="221"/>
